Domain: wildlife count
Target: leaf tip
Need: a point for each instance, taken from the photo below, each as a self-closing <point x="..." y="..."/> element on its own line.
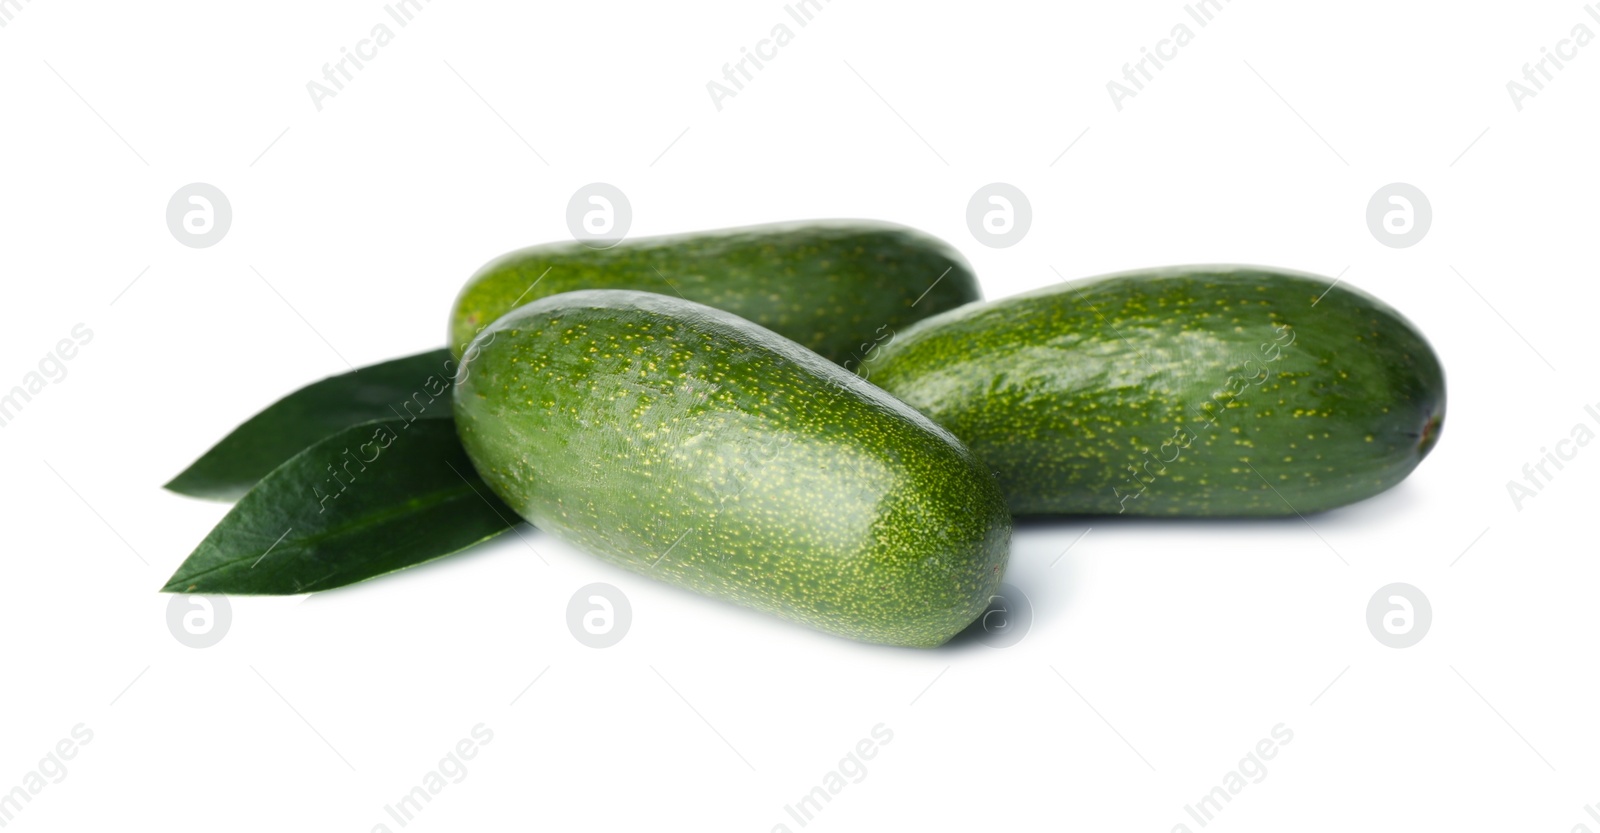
<point x="177" y="585"/>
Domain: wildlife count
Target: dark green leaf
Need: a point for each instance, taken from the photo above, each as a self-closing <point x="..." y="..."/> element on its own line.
<point x="413" y="387"/>
<point x="371" y="499"/>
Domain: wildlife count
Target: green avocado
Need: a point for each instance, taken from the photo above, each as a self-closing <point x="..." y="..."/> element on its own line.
<point x="1185" y="391"/>
<point x="690" y="445"/>
<point x="838" y="287"/>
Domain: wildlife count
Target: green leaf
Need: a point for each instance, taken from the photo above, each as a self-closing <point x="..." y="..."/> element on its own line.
<point x="411" y="388"/>
<point x="371" y="499"/>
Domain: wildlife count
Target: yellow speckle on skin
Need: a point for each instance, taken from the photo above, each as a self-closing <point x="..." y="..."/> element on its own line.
<point x="785" y="488"/>
<point x="1137" y="353"/>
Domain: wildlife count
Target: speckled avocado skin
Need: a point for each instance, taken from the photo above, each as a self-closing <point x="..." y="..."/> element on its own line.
<point x="687" y="444"/>
<point x="837" y="287"/>
<point x="1186" y="391"/>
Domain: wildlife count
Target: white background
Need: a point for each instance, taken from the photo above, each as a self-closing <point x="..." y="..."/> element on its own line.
<point x="1159" y="654"/>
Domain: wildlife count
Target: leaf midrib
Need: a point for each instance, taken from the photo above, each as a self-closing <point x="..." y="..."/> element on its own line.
<point x="424" y="501"/>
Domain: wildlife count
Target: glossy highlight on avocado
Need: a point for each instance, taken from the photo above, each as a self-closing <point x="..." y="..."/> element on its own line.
<point x="1184" y="391"/>
<point x="837" y="287"/>
<point x="687" y="444"/>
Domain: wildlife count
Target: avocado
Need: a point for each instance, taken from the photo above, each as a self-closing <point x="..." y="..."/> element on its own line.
<point x="1182" y="391"/>
<point x="687" y="444"/>
<point x="838" y="287"/>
